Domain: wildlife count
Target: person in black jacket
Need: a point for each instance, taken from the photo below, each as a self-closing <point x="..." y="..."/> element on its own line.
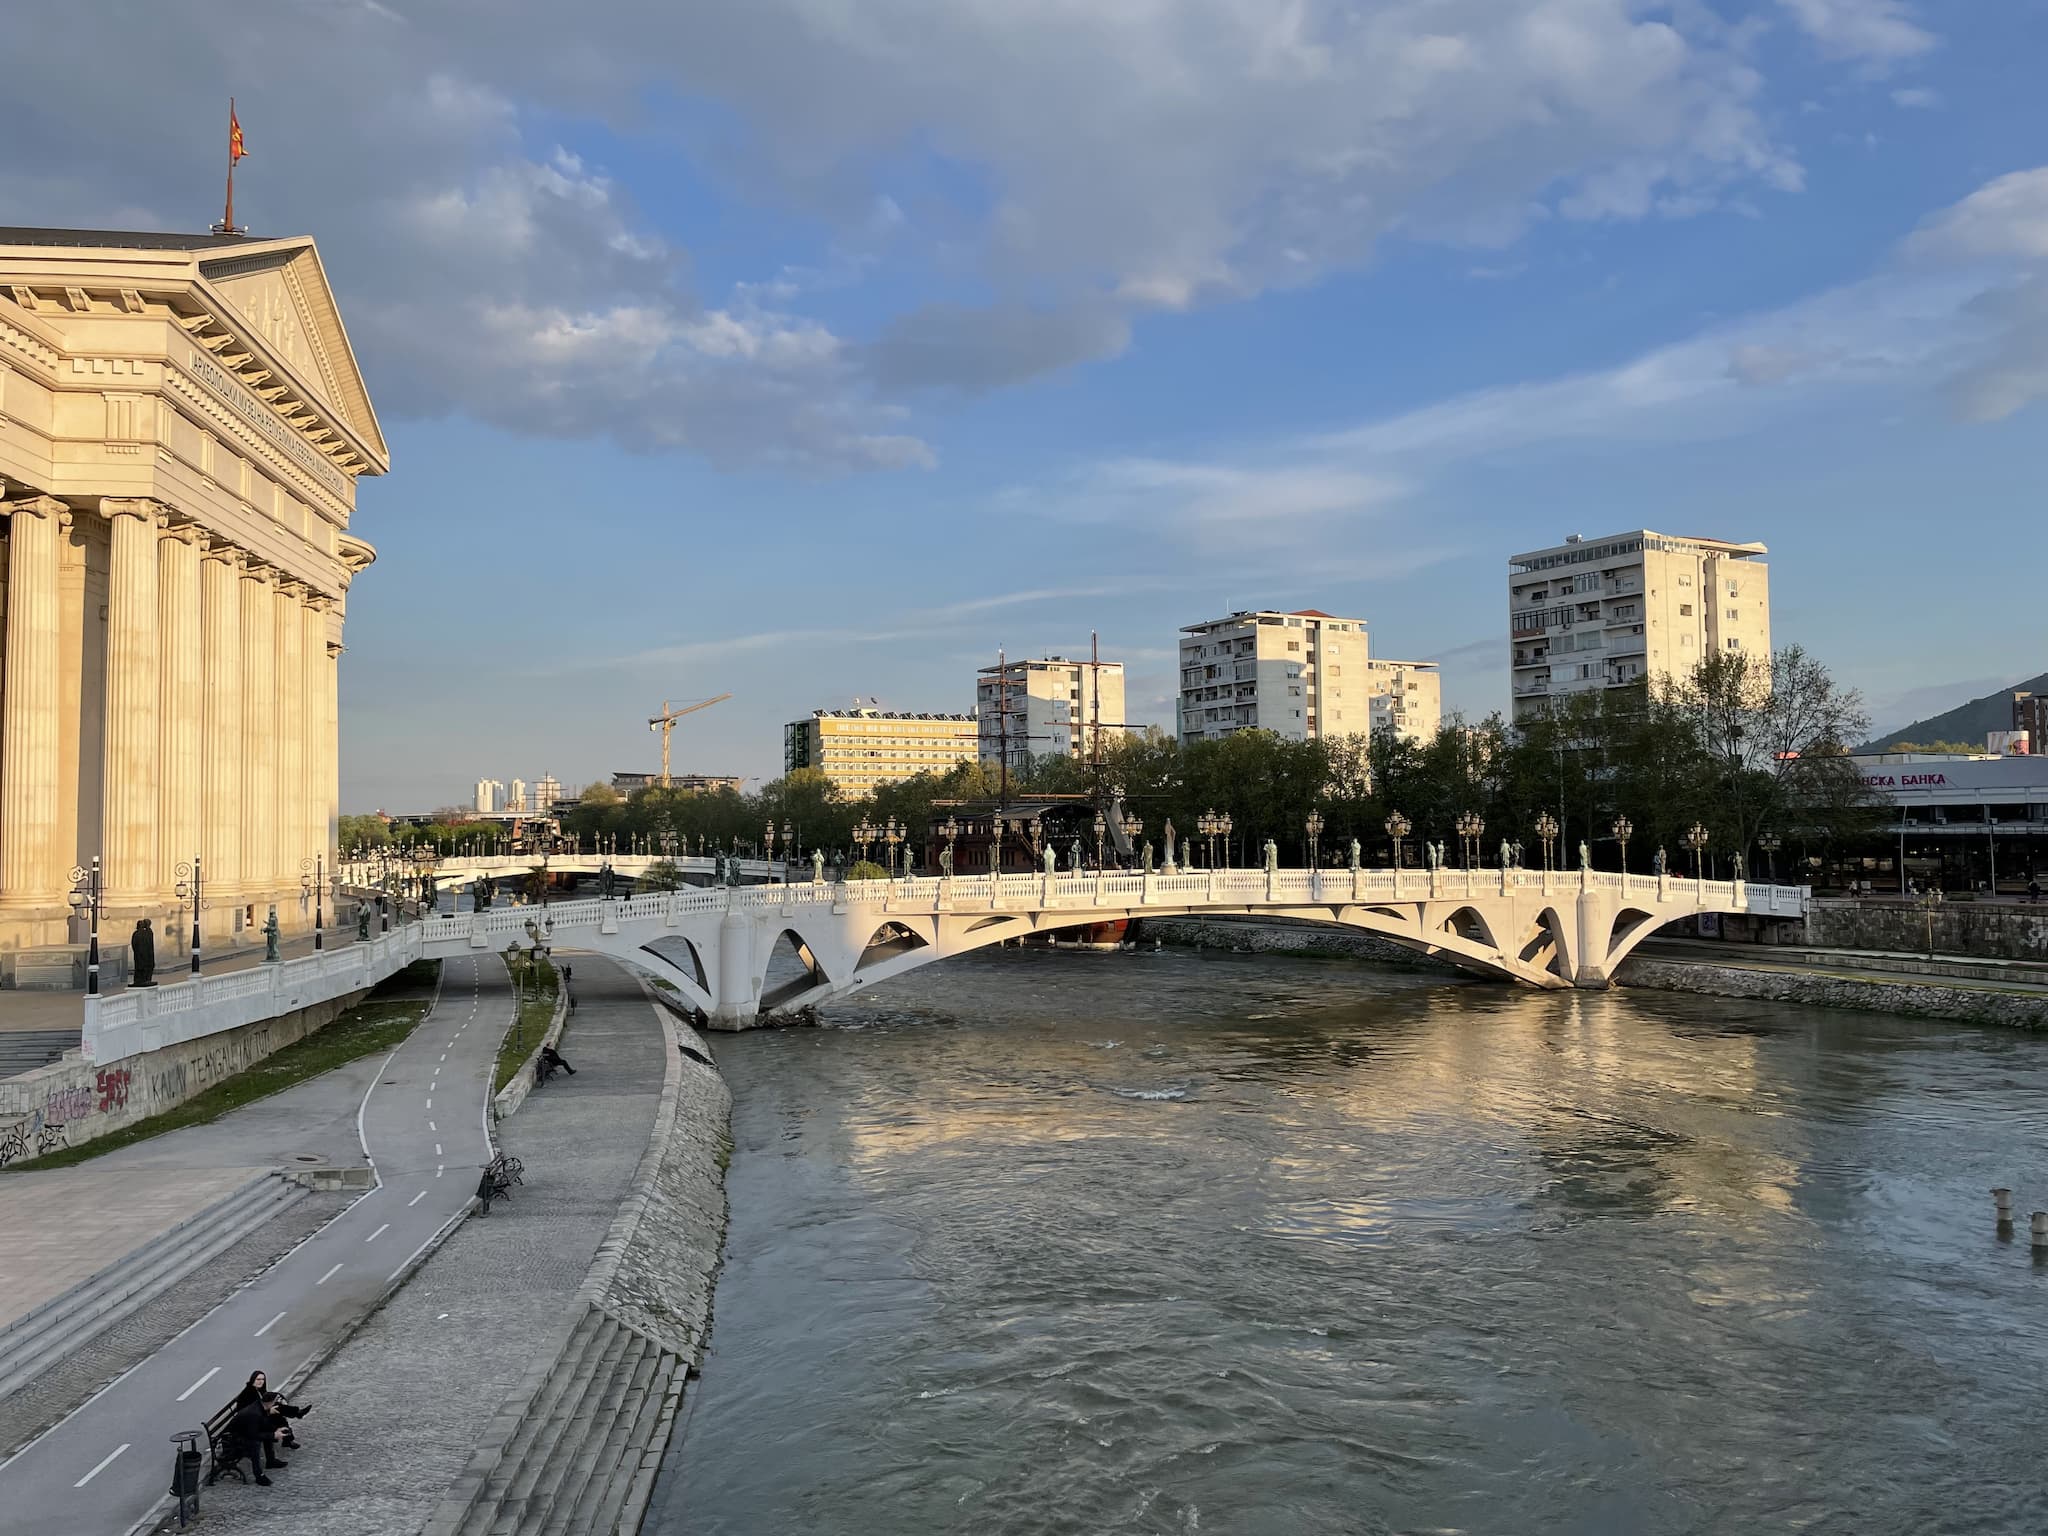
<point x="248" y="1435"/>
<point x="281" y="1415"/>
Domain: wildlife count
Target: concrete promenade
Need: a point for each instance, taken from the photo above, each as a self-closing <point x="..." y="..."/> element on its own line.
<point x="419" y="1116"/>
<point x="403" y="1404"/>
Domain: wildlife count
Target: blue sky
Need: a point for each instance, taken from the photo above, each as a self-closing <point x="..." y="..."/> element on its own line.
<point x="807" y="350"/>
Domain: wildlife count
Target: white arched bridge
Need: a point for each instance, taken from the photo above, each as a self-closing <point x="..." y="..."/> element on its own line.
<point x="1534" y="927"/>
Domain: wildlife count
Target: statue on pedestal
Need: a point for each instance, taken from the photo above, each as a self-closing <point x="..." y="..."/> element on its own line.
<point x="1148" y="852"/>
<point x="607" y="882"/>
<point x="1074" y="856"/>
<point x="946" y="863"/>
<point x="1657" y="863"/>
<point x="430" y="895"/>
<point x="1169" y="845"/>
<point x="1051" y="861"/>
<point x="362" y="923"/>
<point x="817" y="866"/>
<point x="1272" y="857"/>
<point x="1354" y="855"/>
<point x="1507" y="854"/>
<point x="270" y="934"/>
<point x="1585" y="856"/>
<point x="142" y="955"/>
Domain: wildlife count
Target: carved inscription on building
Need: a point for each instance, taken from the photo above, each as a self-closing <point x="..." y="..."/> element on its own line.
<point x="265" y="420"/>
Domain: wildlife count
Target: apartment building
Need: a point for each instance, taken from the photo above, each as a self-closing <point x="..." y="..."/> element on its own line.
<point x="1407" y="698"/>
<point x="1034" y="708"/>
<point x="1302" y="675"/>
<point x="858" y="749"/>
<point x="547" y="789"/>
<point x="1613" y="611"/>
<point x="490" y="796"/>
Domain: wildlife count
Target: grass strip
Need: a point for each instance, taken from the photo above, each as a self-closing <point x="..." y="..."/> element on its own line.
<point x="535" y="983"/>
<point x="379" y="1022"/>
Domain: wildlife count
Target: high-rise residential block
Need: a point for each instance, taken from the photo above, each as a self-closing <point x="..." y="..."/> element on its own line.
<point x="1614" y="611"/>
<point x="1037" y="708"/>
<point x="860" y="748"/>
<point x="490" y="796"/>
<point x="547" y="789"/>
<point x="1303" y="675"/>
<point x="516" y="799"/>
<point x="1407" y="698"/>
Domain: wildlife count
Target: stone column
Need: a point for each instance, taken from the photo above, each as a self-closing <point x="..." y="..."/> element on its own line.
<point x="289" y="704"/>
<point x="179" y="709"/>
<point x="128" y="775"/>
<point x="331" y="760"/>
<point x="31" y="875"/>
<point x="259" y="741"/>
<point x="313" y="791"/>
<point x="221" y="767"/>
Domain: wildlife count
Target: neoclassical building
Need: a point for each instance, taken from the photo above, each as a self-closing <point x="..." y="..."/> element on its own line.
<point x="182" y="424"/>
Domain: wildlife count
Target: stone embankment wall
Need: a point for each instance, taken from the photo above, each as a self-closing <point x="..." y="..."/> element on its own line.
<point x="1285" y="936"/>
<point x="2001" y="930"/>
<point x="671" y="1236"/>
<point x="71" y="1102"/>
<point x="1968" y="1005"/>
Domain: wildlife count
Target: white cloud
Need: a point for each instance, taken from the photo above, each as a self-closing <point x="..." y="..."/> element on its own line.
<point x="1916" y="98"/>
<point x="2003" y="219"/>
<point x="1877" y="32"/>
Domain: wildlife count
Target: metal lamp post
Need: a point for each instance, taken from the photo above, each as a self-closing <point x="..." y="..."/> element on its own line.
<point x="1133" y="826"/>
<point x="1696" y="839"/>
<point x="949" y="829"/>
<point x="893" y="834"/>
<point x="1224" y="825"/>
<point x="1101" y="827"/>
<point x="1547" y="829"/>
<point x="1206" y="825"/>
<point x="1314" y="828"/>
<point x="995" y="857"/>
<point x="789" y="843"/>
<point x="864" y="836"/>
<point x="313" y="877"/>
<point x="768" y="841"/>
<point x="1398" y="827"/>
<point x="1470" y="827"/>
<point x="1622" y="828"/>
<point x="85" y="900"/>
<point x="1770" y="842"/>
<point x="188" y="890"/>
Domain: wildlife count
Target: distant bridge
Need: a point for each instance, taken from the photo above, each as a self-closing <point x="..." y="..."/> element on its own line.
<point x="1542" y="929"/>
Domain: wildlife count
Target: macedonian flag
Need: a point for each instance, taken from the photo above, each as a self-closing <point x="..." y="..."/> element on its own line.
<point x="235" y="149"/>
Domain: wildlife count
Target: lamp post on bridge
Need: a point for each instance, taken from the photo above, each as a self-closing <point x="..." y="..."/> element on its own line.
<point x="1547" y="829"/>
<point x="1622" y="828"/>
<point x="893" y="833"/>
<point x="1696" y="839"/>
<point x="1398" y="827"/>
<point x="85" y="901"/>
<point x="313" y="877"/>
<point x="188" y="889"/>
<point x="789" y="843"/>
<point x="995" y="857"/>
<point x="1470" y="827"/>
<point x="1314" y="828"/>
<point x="768" y="841"/>
<point x="1101" y="827"/>
<point x="949" y="829"/>
<point x="864" y="836"/>
<point x="1770" y="842"/>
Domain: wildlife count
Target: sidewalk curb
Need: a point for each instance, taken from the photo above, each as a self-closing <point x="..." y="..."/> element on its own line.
<point x="513" y="1094"/>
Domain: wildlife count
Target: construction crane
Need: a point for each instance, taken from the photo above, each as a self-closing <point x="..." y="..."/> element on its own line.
<point x="666" y="722"/>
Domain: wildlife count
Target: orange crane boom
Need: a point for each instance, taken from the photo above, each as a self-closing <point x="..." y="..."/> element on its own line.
<point x="666" y="722"/>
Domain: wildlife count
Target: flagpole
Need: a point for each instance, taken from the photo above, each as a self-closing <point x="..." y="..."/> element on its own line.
<point x="228" y="225"/>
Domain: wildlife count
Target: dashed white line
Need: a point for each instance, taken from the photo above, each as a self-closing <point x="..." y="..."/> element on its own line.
<point x="378" y="1233"/>
<point x="96" y="1471"/>
<point x="437" y="1149"/>
<point x="416" y="1199"/>
<point x="430" y="1103"/>
<point x="202" y="1381"/>
<point x="267" y="1326"/>
<point x="440" y="1170"/>
<point x="432" y="1127"/>
<point x="326" y="1277"/>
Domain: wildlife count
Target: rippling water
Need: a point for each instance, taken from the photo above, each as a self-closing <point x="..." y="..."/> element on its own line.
<point x="1068" y="1243"/>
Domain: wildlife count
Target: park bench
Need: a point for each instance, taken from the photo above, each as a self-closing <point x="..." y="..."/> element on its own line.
<point x="216" y="1442"/>
<point x="500" y="1174"/>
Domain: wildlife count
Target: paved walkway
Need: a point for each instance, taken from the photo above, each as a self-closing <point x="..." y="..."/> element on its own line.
<point x="1814" y="962"/>
<point x="410" y="1395"/>
<point x="423" y="1122"/>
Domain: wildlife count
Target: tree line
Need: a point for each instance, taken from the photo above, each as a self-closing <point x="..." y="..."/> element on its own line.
<point x="1743" y="748"/>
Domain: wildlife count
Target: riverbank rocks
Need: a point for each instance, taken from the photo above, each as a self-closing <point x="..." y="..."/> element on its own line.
<point x="1968" y="1005"/>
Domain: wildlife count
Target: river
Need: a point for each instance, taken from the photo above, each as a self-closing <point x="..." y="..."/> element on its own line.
<point x="1035" y="1242"/>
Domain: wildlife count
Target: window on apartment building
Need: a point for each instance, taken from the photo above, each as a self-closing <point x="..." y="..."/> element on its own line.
<point x="1294" y="690"/>
<point x="1685" y="610"/>
<point x="1686" y="641"/>
<point x="1734" y="588"/>
<point x="1624" y="610"/>
<point x="1734" y="645"/>
<point x="1734" y="613"/>
<point x="1685" y="581"/>
<point x="1294" y="645"/>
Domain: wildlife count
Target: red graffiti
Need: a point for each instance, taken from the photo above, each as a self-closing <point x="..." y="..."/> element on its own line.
<point x="113" y="1086"/>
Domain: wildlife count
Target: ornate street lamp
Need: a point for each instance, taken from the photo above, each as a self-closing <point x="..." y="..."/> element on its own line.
<point x="949" y="829"/>
<point x="768" y="838"/>
<point x="1398" y="827"/>
<point x="1622" y="828"/>
<point x="864" y="834"/>
<point x="1207" y="824"/>
<point x="1470" y="827"/>
<point x="313" y="877"/>
<point x="893" y="834"/>
<point x="1314" y="828"/>
<point x="1547" y="829"/>
<point x="789" y="842"/>
<point x="1696" y="839"/>
<point x="995" y="858"/>
<point x="1037" y="836"/>
<point x="85" y="900"/>
<point x="189" y="890"/>
<point x="1770" y="842"/>
<point x="1101" y="826"/>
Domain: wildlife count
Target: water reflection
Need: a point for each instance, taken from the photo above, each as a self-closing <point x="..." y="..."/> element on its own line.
<point x="1035" y="1243"/>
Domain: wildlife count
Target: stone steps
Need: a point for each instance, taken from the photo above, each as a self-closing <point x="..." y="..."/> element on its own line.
<point x="35" y="1341"/>
<point x="25" y="1050"/>
<point x="586" y="1442"/>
